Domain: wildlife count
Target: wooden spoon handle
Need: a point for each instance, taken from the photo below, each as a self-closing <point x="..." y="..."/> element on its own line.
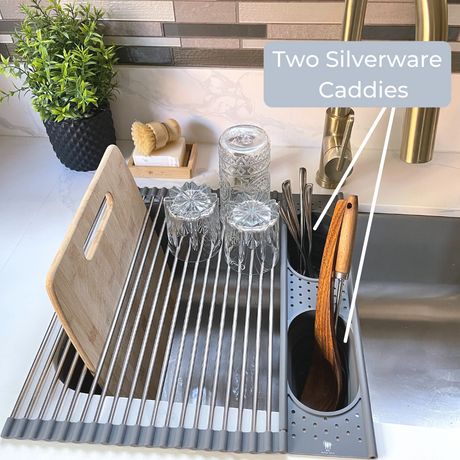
<point x="324" y="335"/>
<point x="347" y="238"/>
<point x="323" y="387"/>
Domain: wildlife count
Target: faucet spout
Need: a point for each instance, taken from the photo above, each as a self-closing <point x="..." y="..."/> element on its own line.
<point x="420" y="123"/>
<point x="335" y="148"/>
<point x="353" y="20"/>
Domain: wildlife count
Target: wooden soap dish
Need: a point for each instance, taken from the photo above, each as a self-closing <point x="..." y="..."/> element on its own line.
<point x="168" y="172"/>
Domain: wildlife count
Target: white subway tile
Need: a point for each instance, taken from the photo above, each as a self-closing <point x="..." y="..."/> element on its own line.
<point x="254" y="43"/>
<point x="142" y="41"/>
<point x="5" y="38"/>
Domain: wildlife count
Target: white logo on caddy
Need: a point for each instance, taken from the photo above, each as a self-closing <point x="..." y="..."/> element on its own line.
<point x="327" y="447"/>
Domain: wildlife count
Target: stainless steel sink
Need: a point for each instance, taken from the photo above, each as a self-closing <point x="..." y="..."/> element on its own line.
<point x="409" y="305"/>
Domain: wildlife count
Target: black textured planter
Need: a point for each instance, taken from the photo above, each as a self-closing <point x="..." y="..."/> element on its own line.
<point x="80" y="144"/>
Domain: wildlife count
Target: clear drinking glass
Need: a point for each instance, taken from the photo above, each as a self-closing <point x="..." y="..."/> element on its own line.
<point x="251" y="236"/>
<point x="192" y="221"/>
<point x="244" y="159"/>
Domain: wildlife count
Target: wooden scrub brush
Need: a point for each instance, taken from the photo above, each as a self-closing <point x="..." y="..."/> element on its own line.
<point x="149" y="137"/>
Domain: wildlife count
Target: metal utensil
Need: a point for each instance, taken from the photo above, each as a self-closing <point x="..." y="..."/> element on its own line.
<point x="287" y="192"/>
<point x="345" y="250"/>
<point x="301" y="229"/>
<point x="307" y="193"/>
<point x="285" y="215"/>
<point x="287" y="219"/>
<point x="291" y="215"/>
<point x="302" y="182"/>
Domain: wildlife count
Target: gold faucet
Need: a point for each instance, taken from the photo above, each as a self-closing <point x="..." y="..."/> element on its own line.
<point x="420" y="123"/>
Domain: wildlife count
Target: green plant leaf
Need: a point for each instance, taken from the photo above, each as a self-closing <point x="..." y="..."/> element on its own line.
<point x="62" y="60"/>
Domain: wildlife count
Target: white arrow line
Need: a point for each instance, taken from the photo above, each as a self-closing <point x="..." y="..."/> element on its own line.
<point x="369" y="224"/>
<point x="350" y="167"/>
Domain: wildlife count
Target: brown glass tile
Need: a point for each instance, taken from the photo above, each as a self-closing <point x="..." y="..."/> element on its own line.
<point x="390" y="13"/>
<point x="10" y="47"/>
<point x="292" y="12"/>
<point x="132" y="28"/>
<point x="172" y="29"/>
<point x="304" y="31"/>
<point x="145" y="55"/>
<point x="186" y="57"/>
<point x="205" y="12"/>
<point x="8" y="26"/>
<point x="389" y="32"/>
<point x="454" y="33"/>
<point x="401" y="33"/>
<point x="4" y="50"/>
<point x="456" y="62"/>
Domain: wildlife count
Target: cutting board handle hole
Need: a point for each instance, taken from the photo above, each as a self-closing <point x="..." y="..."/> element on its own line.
<point x="97" y="228"/>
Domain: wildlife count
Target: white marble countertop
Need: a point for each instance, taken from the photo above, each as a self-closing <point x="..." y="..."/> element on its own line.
<point x="38" y="198"/>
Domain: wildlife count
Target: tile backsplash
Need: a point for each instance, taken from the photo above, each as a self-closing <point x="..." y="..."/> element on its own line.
<point x="200" y="62"/>
<point x="221" y="33"/>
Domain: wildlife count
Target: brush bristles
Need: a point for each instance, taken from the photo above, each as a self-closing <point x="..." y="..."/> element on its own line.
<point x="143" y="137"/>
<point x="154" y="135"/>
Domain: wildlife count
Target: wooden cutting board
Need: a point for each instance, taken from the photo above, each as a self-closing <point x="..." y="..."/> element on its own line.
<point x="85" y="281"/>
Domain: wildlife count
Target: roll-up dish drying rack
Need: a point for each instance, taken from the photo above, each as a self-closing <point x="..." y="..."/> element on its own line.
<point x="180" y="354"/>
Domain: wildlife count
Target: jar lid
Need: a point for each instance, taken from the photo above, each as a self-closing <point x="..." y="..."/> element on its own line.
<point x="244" y="140"/>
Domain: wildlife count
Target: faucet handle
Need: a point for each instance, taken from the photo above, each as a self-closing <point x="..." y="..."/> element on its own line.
<point x="345" y="140"/>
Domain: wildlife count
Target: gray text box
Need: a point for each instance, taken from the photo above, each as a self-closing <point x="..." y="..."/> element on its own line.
<point x="358" y="74"/>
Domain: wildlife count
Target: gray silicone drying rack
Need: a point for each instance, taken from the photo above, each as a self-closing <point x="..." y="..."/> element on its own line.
<point x="229" y="338"/>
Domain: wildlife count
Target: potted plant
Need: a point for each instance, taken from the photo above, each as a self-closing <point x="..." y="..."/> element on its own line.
<point x="61" y="59"/>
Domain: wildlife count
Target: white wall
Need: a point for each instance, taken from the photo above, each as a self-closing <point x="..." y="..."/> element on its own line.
<point x="207" y="100"/>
